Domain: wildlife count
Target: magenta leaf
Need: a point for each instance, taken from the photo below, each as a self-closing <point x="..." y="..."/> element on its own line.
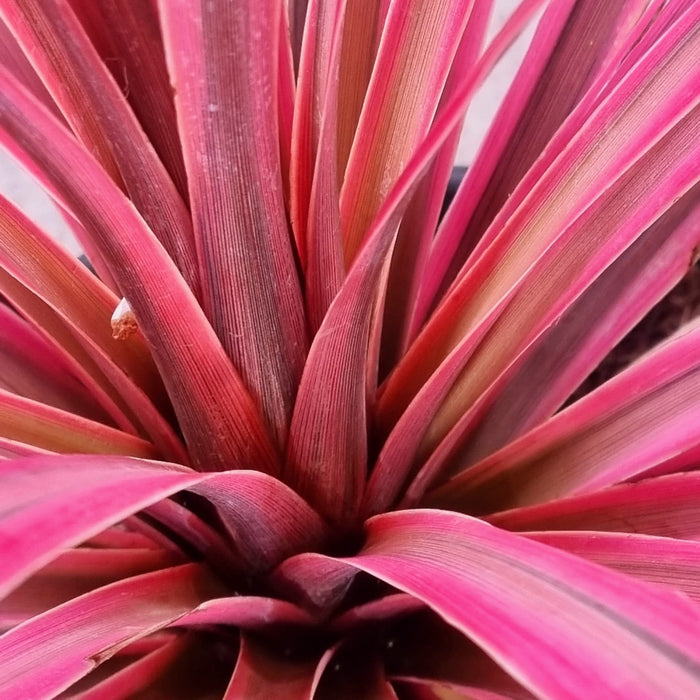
<point x="38" y="522"/>
<point x="593" y="625"/>
<point x="666" y="506"/>
<point x="38" y="662"/>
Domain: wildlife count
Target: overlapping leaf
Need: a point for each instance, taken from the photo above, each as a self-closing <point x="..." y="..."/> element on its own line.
<point x="94" y="106"/>
<point x="39" y="662"/>
<point x="222" y="60"/>
<point x="642" y="418"/>
<point x="192" y="362"/>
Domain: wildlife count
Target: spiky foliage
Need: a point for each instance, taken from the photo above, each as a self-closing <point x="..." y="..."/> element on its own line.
<point x="320" y="451"/>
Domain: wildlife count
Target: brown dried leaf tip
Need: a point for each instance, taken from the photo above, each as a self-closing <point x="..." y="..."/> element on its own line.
<point x="124" y="322"/>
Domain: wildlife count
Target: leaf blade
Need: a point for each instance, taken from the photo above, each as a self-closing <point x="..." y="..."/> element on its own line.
<point x="93" y="627"/>
<point x="641" y="418"/>
<point x="115" y="486"/>
<point x="93" y="104"/>
<point x="191" y="360"/>
<point x="222" y="59"/>
<point x="458" y="565"/>
<point x="398" y="107"/>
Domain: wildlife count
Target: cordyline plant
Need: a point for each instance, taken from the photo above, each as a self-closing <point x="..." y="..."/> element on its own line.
<point x="320" y="450"/>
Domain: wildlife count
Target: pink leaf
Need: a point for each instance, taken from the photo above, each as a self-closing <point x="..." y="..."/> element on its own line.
<point x="625" y="137"/>
<point x="593" y="625"/>
<point x="265" y="519"/>
<point x="39" y="663"/>
<point x="666" y="506"/>
<point x="573" y="43"/>
<point x="330" y="472"/>
<point x="417" y="230"/>
<point x="417" y="46"/>
<point x="313" y="581"/>
<point x="663" y="560"/>
<point x="222" y="59"/>
<point x="197" y="372"/>
<point x="34" y="368"/>
<point x="127" y="36"/>
<point x="52" y="429"/>
<point x="129" y="406"/>
<point x="284" y="524"/>
<point x="176" y="522"/>
<point x="641" y="418"/>
<point x="146" y="666"/>
<point x="139" y="675"/>
<point x="364" y="23"/>
<point x="389" y="607"/>
<point x="40" y="264"/>
<point x="75" y="572"/>
<point x="97" y="111"/>
<point x="16" y="63"/>
<point x="542" y="377"/>
<point x="319" y="234"/>
<point x="10" y="449"/>
<point x="261" y="674"/>
<point x="459" y="388"/>
<point x="43" y="503"/>
<point x="245" y="612"/>
<point x="317" y="77"/>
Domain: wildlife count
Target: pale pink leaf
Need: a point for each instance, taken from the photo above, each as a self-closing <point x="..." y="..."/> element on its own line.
<point x="623" y="132"/>
<point x="50" y="428"/>
<point x="641" y="418"/>
<point x="414" y="56"/>
<point x="417" y="229"/>
<point x="330" y="472"/>
<point x="364" y="23"/>
<point x="556" y="280"/>
<point x="573" y="43"/>
<point x="542" y="377"/>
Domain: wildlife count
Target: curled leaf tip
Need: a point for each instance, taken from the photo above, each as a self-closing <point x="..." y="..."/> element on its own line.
<point x="124" y="323"/>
